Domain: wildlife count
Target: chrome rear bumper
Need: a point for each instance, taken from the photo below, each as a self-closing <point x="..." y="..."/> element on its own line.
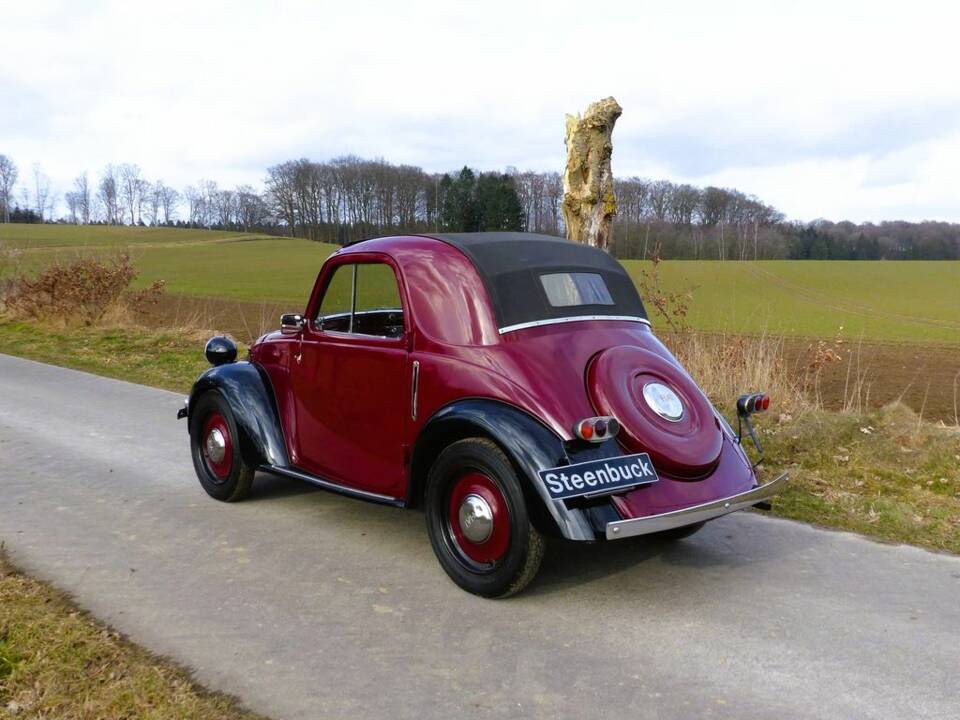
<point x="694" y="514"/>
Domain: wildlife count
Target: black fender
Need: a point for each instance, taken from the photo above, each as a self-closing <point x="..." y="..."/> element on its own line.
<point x="248" y="390"/>
<point x="530" y="444"/>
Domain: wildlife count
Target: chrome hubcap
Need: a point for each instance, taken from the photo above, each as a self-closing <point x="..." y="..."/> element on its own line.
<point x="216" y="446"/>
<point x="476" y="519"/>
<point x="663" y="401"/>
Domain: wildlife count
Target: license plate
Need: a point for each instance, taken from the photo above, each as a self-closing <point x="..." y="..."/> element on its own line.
<point x="599" y="477"/>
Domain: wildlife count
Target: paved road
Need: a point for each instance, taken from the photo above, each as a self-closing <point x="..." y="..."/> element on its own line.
<point x="307" y="605"/>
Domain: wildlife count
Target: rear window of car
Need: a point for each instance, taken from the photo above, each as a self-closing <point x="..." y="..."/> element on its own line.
<point x="569" y="289"/>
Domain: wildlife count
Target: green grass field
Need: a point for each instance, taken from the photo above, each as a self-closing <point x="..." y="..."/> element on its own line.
<point x="899" y="301"/>
<point x="884" y="301"/>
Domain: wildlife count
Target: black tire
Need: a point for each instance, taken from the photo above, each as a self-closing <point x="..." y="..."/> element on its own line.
<point x="518" y="564"/>
<point x="677" y="533"/>
<point x="235" y="483"/>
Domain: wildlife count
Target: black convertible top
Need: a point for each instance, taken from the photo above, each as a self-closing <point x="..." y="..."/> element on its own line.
<point x="510" y="264"/>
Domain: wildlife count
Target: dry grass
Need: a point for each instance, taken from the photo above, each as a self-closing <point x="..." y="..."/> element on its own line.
<point x="726" y="366"/>
<point x="58" y="662"/>
<point x="886" y="473"/>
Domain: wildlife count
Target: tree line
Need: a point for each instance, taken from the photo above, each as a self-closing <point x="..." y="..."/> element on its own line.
<point x="349" y="198"/>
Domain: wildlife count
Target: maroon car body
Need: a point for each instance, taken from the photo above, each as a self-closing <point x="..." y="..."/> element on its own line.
<point x="369" y="409"/>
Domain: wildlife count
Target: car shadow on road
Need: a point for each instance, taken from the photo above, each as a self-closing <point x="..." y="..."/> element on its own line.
<point x="567" y="564"/>
<point x="724" y="545"/>
<point x="271" y="487"/>
<point x="727" y="545"/>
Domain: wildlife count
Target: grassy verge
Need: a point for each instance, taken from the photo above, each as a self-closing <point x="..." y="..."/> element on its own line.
<point x="57" y="662"/>
<point x="886" y="474"/>
<point x="170" y="360"/>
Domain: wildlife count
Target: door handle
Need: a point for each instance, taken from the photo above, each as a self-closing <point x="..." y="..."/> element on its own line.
<point x="414" y="389"/>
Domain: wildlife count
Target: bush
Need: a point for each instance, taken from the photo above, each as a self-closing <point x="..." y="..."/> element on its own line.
<point x="82" y="291"/>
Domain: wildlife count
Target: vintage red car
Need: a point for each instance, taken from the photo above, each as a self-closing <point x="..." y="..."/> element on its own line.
<point x="507" y="383"/>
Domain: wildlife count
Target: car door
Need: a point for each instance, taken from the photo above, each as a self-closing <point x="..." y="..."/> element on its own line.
<point x="351" y="382"/>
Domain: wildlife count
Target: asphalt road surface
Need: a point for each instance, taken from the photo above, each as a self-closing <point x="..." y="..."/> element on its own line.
<point x="309" y="605"/>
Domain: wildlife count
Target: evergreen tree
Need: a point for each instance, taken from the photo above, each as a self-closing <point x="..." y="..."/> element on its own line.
<point x="498" y="203"/>
<point x="460" y="211"/>
<point x="444" y="208"/>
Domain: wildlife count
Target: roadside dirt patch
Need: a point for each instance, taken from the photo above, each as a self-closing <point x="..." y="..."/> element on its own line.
<point x="925" y="378"/>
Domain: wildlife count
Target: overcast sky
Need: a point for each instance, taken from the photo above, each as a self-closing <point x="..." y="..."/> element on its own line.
<point x="824" y="109"/>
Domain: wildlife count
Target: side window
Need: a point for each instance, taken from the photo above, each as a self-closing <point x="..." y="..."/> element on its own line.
<point x="377" y="288"/>
<point x="336" y="299"/>
<point x="362" y="299"/>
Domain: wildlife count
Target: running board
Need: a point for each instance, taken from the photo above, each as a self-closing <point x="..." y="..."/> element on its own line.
<point x="334" y="487"/>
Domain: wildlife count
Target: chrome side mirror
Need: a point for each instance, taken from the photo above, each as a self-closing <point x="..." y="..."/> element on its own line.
<point x="291" y="323"/>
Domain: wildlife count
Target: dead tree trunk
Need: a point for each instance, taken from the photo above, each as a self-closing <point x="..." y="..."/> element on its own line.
<point x="589" y="203"/>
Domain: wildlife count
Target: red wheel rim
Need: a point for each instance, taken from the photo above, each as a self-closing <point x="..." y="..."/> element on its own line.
<point x="217" y="446"/>
<point x="478" y="492"/>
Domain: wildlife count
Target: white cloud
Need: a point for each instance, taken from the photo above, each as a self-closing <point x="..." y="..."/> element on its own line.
<point x="822" y="108"/>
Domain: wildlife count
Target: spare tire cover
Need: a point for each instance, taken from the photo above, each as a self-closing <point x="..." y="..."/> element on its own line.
<point x="687" y="447"/>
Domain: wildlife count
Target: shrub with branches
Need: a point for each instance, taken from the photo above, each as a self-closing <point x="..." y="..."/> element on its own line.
<point x="81" y="291"/>
<point x="672" y="307"/>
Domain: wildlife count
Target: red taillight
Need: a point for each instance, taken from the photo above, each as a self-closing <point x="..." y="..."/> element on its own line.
<point x="597" y="429"/>
<point x="753" y="402"/>
<point x="585" y="430"/>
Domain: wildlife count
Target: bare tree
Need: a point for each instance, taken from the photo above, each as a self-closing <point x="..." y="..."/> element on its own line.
<point x="250" y="207"/>
<point x="109" y="197"/>
<point x="8" y="179"/>
<point x="154" y="199"/>
<point x="132" y="186"/>
<point x="73" y="204"/>
<point x="169" y="199"/>
<point x="225" y="205"/>
<point x="44" y="202"/>
<point x="81" y="190"/>
<point x="194" y="200"/>
<point x="143" y="193"/>
<point x="209" y="191"/>
<point x="281" y="189"/>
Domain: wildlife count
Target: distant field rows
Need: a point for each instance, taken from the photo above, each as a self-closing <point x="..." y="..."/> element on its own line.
<point x="890" y="301"/>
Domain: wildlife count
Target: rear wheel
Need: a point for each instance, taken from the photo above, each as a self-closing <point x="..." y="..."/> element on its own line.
<point x="478" y="522"/>
<point x="215" y="450"/>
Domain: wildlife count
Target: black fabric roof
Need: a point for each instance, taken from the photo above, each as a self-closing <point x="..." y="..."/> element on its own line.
<point x="510" y="264"/>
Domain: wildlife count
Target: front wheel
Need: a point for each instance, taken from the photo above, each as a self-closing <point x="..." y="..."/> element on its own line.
<point x="215" y="448"/>
<point x="478" y="522"/>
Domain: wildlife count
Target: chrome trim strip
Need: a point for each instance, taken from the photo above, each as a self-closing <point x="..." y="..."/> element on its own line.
<point x="364" y="312"/>
<point x="353" y="298"/>
<point x="696" y="513"/>
<point x="579" y="318"/>
<point x="327" y="485"/>
<point x="414" y="389"/>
